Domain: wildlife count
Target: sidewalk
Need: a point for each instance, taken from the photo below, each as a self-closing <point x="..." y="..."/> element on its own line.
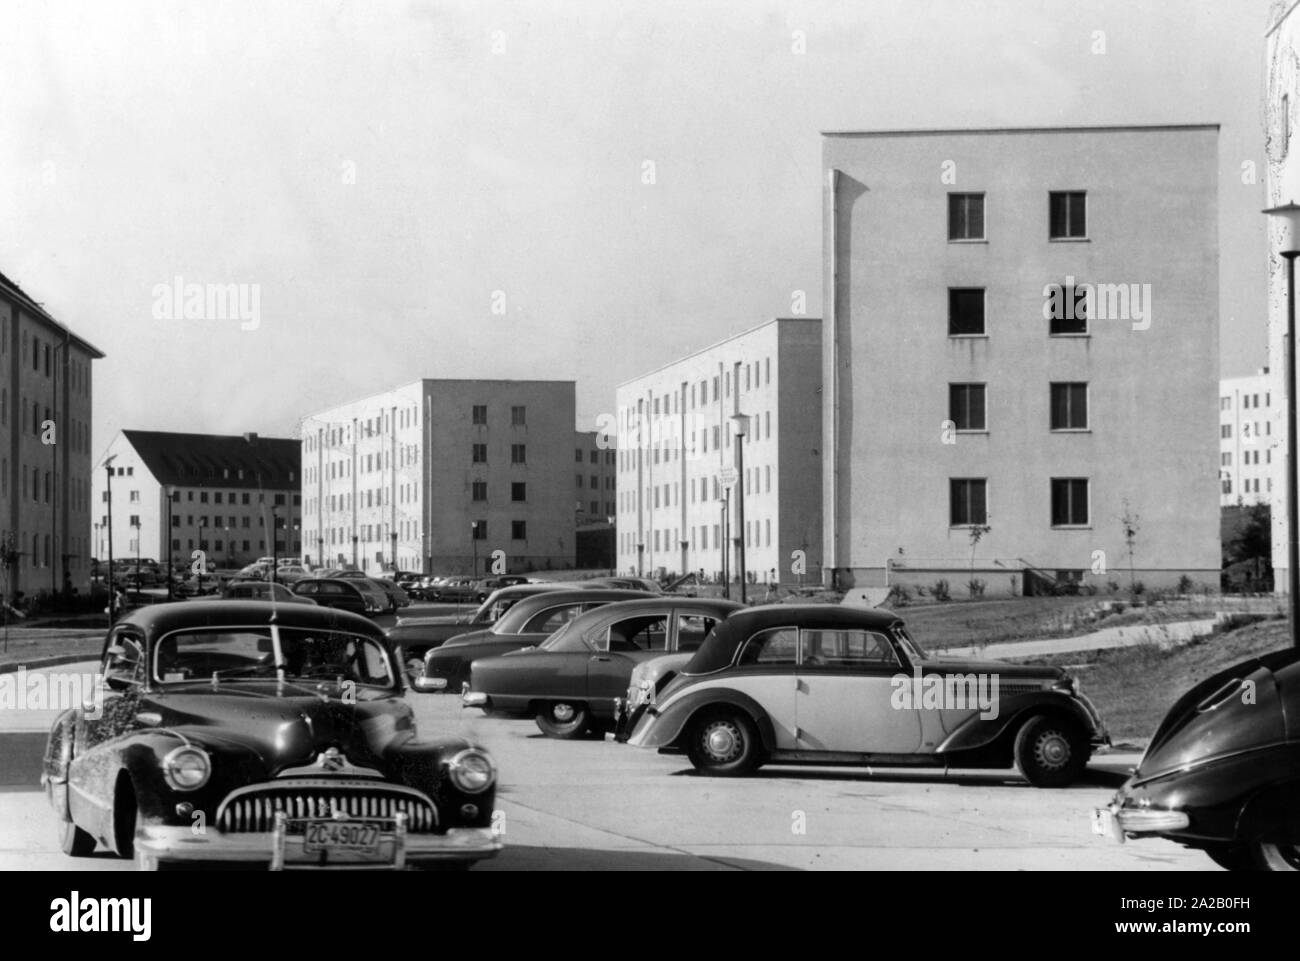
<point x="1165" y="635"/>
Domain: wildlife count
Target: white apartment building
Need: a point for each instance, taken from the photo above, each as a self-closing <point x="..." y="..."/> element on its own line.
<point x="1251" y="435"/>
<point x="447" y="476"/>
<point x="679" y="464"/>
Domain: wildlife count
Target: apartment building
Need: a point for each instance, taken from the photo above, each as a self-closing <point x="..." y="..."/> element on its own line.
<point x="234" y="497"/>
<point x="680" y="432"/>
<point x="46" y="386"/>
<point x="1021" y="356"/>
<point x="1252" y="435"/>
<point x="451" y="476"/>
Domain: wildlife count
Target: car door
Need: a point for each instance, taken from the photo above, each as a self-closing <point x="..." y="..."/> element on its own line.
<point x="624" y="644"/>
<point x="844" y="696"/>
<point x="765" y="672"/>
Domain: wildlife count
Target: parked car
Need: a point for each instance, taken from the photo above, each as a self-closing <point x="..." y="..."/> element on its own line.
<point x="290" y="573"/>
<point x="825" y="684"/>
<point x="529" y="622"/>
<point x="261" y="591"/>
<point x="456" y="590"/>
<point x="647" y="584"/>
<point x="1222" y="771"/>
<point x="397" y="598"/>
<point x="570" y="683"/>
<point x="343" y="593"/>
<point x="417" y="635"/>
<point x="280" y="728"/>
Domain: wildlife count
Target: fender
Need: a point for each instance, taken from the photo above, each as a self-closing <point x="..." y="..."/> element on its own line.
<point x="1272" y="810"/>
<point x="665" y="728"/>
<point x="975" y="732"/>
<point x="54" y="769"/>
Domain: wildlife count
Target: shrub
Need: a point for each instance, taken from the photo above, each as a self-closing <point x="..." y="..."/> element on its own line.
<point x="1139" y="588"/>
<point x="976" y="587"/>
<point x="898" y="596"/>
<point x="1185" y="585"/>
<point x="940" y="591"/>
<point x="1113" y="586"/>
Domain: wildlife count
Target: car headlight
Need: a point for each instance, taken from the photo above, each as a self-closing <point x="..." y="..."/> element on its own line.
<point x="187" y="768"/>
<point x="472" y="771"/>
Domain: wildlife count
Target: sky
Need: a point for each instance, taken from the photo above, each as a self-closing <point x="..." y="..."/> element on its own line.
<point x="545" y="190"/>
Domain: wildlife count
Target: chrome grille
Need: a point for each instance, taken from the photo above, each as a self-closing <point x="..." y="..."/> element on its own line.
<point x="252" y="809"/>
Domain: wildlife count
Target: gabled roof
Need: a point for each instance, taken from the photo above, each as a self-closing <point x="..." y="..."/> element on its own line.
<point x="217" y="460"/>
<point x="11" y="291"/>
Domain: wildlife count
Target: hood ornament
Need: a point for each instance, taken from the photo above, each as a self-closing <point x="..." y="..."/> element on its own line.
<point x="331" y="762"/>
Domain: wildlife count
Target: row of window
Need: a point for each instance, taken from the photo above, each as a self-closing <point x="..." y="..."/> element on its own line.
<point x="518" y="453"/>
<point x="78" y="487"/>
<point x="968" y="502"/>
<point x="1225" y="431"/>
<point x="966" y="312"/>
<point x="1067" y="216"/>
<point x="1248" y="401"/>
<point x="220" y="546"/>
<point x="518" y="415"/>
<point x="758" y="480"/>
<point x="672" y="446"/>
<point x="518" y="491"/>
<point x="594" y="508"/>
<point x="77" y="435"/>
<point x="758" y="533"/>
<point x="968" y="406"/>
<point x="595" y="482"/>
<point x="756" y="375"/>
<point x="595" y="456"/>
<point x="1226" y="485"/>
<point x="1247" y="458"/>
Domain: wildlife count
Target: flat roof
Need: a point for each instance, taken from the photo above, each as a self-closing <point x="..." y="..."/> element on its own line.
<point x="1080" y="128"/>
<point x="431" y="380"/>
<point x="716" y="344"/>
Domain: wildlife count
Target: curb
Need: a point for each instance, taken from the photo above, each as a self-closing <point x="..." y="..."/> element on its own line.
<point x="52" y="661"/>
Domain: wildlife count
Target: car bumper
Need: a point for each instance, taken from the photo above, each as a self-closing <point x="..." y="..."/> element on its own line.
<point x="1118" y="823"/>
<point x="626" y="718"/>
<point x="396" y="848"/>
<point x="430" y="684"/>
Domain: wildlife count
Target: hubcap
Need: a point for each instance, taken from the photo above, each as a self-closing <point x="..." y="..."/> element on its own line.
<point x="1053" y="750"/>
<point x="562" y="713"/>
<point x="722" y="741"/>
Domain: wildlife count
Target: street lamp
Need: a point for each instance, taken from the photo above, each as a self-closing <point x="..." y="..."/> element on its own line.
<point x="275" y="524"/>
<point x="473" y="536"/>
<point x="1288" y="217"/>
<point x="742" y="428"/>
<point x="168" y="492"/>
<point x="112" y="606"/>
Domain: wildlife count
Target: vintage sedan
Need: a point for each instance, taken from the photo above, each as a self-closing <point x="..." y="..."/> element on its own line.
<point x="1222" y="772"/>
<point x="572" y="681"/>
<point x="273" y="734"/>
<point x="824" y="684"/>
<point x="531" y="621"/>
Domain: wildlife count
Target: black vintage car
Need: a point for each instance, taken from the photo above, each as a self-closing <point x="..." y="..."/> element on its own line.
<point x="829" y="684"/>
<point x="1222" y="772"/>
<point x="274" y="734"/>
<point x="529" y="622"/>
<point x="572" y="681"/>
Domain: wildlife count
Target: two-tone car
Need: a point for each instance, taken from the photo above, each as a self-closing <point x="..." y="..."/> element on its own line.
<point x="1222" y="772"/>
<point x="529" y="622"/>
<point x="265" y="734"/>
<point x="572" y="682"/>
<point x="829" y="684"/>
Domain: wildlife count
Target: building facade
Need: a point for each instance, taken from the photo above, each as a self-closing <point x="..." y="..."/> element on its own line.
<point x="1021" y="356"/>
<point x="446" y="476"/>
<point x="1252" y="433"/>
<point x="46" y="386"/>
<point x="679" y="463"/>
<point x="227" y="494"/>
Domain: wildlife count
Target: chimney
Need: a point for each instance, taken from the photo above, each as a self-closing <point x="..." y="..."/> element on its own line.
<point x="251" y="438"/>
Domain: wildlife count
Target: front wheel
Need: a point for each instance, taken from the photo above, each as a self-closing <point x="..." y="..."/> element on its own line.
<point x="725" y="745"/>
<point x="563" y="720"/>
<point x="1051" y="751"/>
<point x="1273" y="854"/>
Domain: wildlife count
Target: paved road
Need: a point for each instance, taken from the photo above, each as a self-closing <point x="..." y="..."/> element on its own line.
<point x="591" y="804"/>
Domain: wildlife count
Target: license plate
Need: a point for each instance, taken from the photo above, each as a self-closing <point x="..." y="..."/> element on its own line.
<point x="361" y="836"/>
<point x="1104" y="823"/>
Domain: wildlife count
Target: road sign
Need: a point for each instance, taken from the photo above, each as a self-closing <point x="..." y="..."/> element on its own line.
<point x="728" y="477"/>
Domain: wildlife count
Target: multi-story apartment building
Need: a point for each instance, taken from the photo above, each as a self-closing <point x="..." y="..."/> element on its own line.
<point x="1021" y="352"/>
<point x="443" y="475"/>
<point x="1252" y="433"/>
<point x="594" y="476"/>
<point x="679" y="470"/>
<point x="45" y="417"/>
<point x="227" y="494"/>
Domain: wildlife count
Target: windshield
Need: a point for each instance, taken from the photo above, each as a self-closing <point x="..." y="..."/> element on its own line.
<point x="910" y="647"/>
<point x="205" y="653"/>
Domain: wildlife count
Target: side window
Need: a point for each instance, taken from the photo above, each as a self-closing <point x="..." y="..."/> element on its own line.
<point x="307" y="588"/>
<point x="125" y="658"/>
<point x="645" y="633"/>
<point x="848" y="650"/>
<point x="777" y="645"/>
<point x="692" y="629"/>
<point x="551" y="620"/>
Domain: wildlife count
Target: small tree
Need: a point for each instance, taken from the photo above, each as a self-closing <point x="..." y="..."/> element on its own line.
<point x="977" y="532"/>
<point x="1129" y="522"/>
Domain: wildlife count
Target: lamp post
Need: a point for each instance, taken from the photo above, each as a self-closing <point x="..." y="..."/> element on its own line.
<point x="725" y="543"/>
<point x="1288" y="216"/>
<point x="473" y="537"/>
<point x="275" y="558"/>
<point x="742" y="428"/>
<point x="112" y="597"/>
<point x="169" y="491"/>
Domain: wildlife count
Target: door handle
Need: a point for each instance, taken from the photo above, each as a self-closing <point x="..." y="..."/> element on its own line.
<point x="600" y="657"/>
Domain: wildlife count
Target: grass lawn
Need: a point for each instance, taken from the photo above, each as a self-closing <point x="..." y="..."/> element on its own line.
<point x="1134" y="687"/>
<point x="28" y="644"/>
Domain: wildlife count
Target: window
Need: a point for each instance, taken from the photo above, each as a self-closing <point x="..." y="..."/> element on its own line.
<point x="480" y="414"/>
<point x="1068" y="309"/>
<point x="778" y="645"/>
<point x="1069" y="406"/>
<point x="1225" y="431"/>
<point x="480" y="454"/>
<point x="480" y="490"/>
<point x="1225" y="403"/>
<point x="1225" y="459"/>
<point x="645" y="633"/>
<point x="1067" y="213"/>
<point x="692" y="629"/>
<point x="965" y="311"/>
<point x="518" y="491"/>
<point x="965" y="216"/>
<point x="1069" y="502"/>
<point x="847" y="650"/>
<point x="577" y="455"/>
<point x="518" y="453"/>
<point x="966" y="406"/>
<point x="517" y="416"/>
<point x="969" y="501"/>
<point x="552" y="619"/>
